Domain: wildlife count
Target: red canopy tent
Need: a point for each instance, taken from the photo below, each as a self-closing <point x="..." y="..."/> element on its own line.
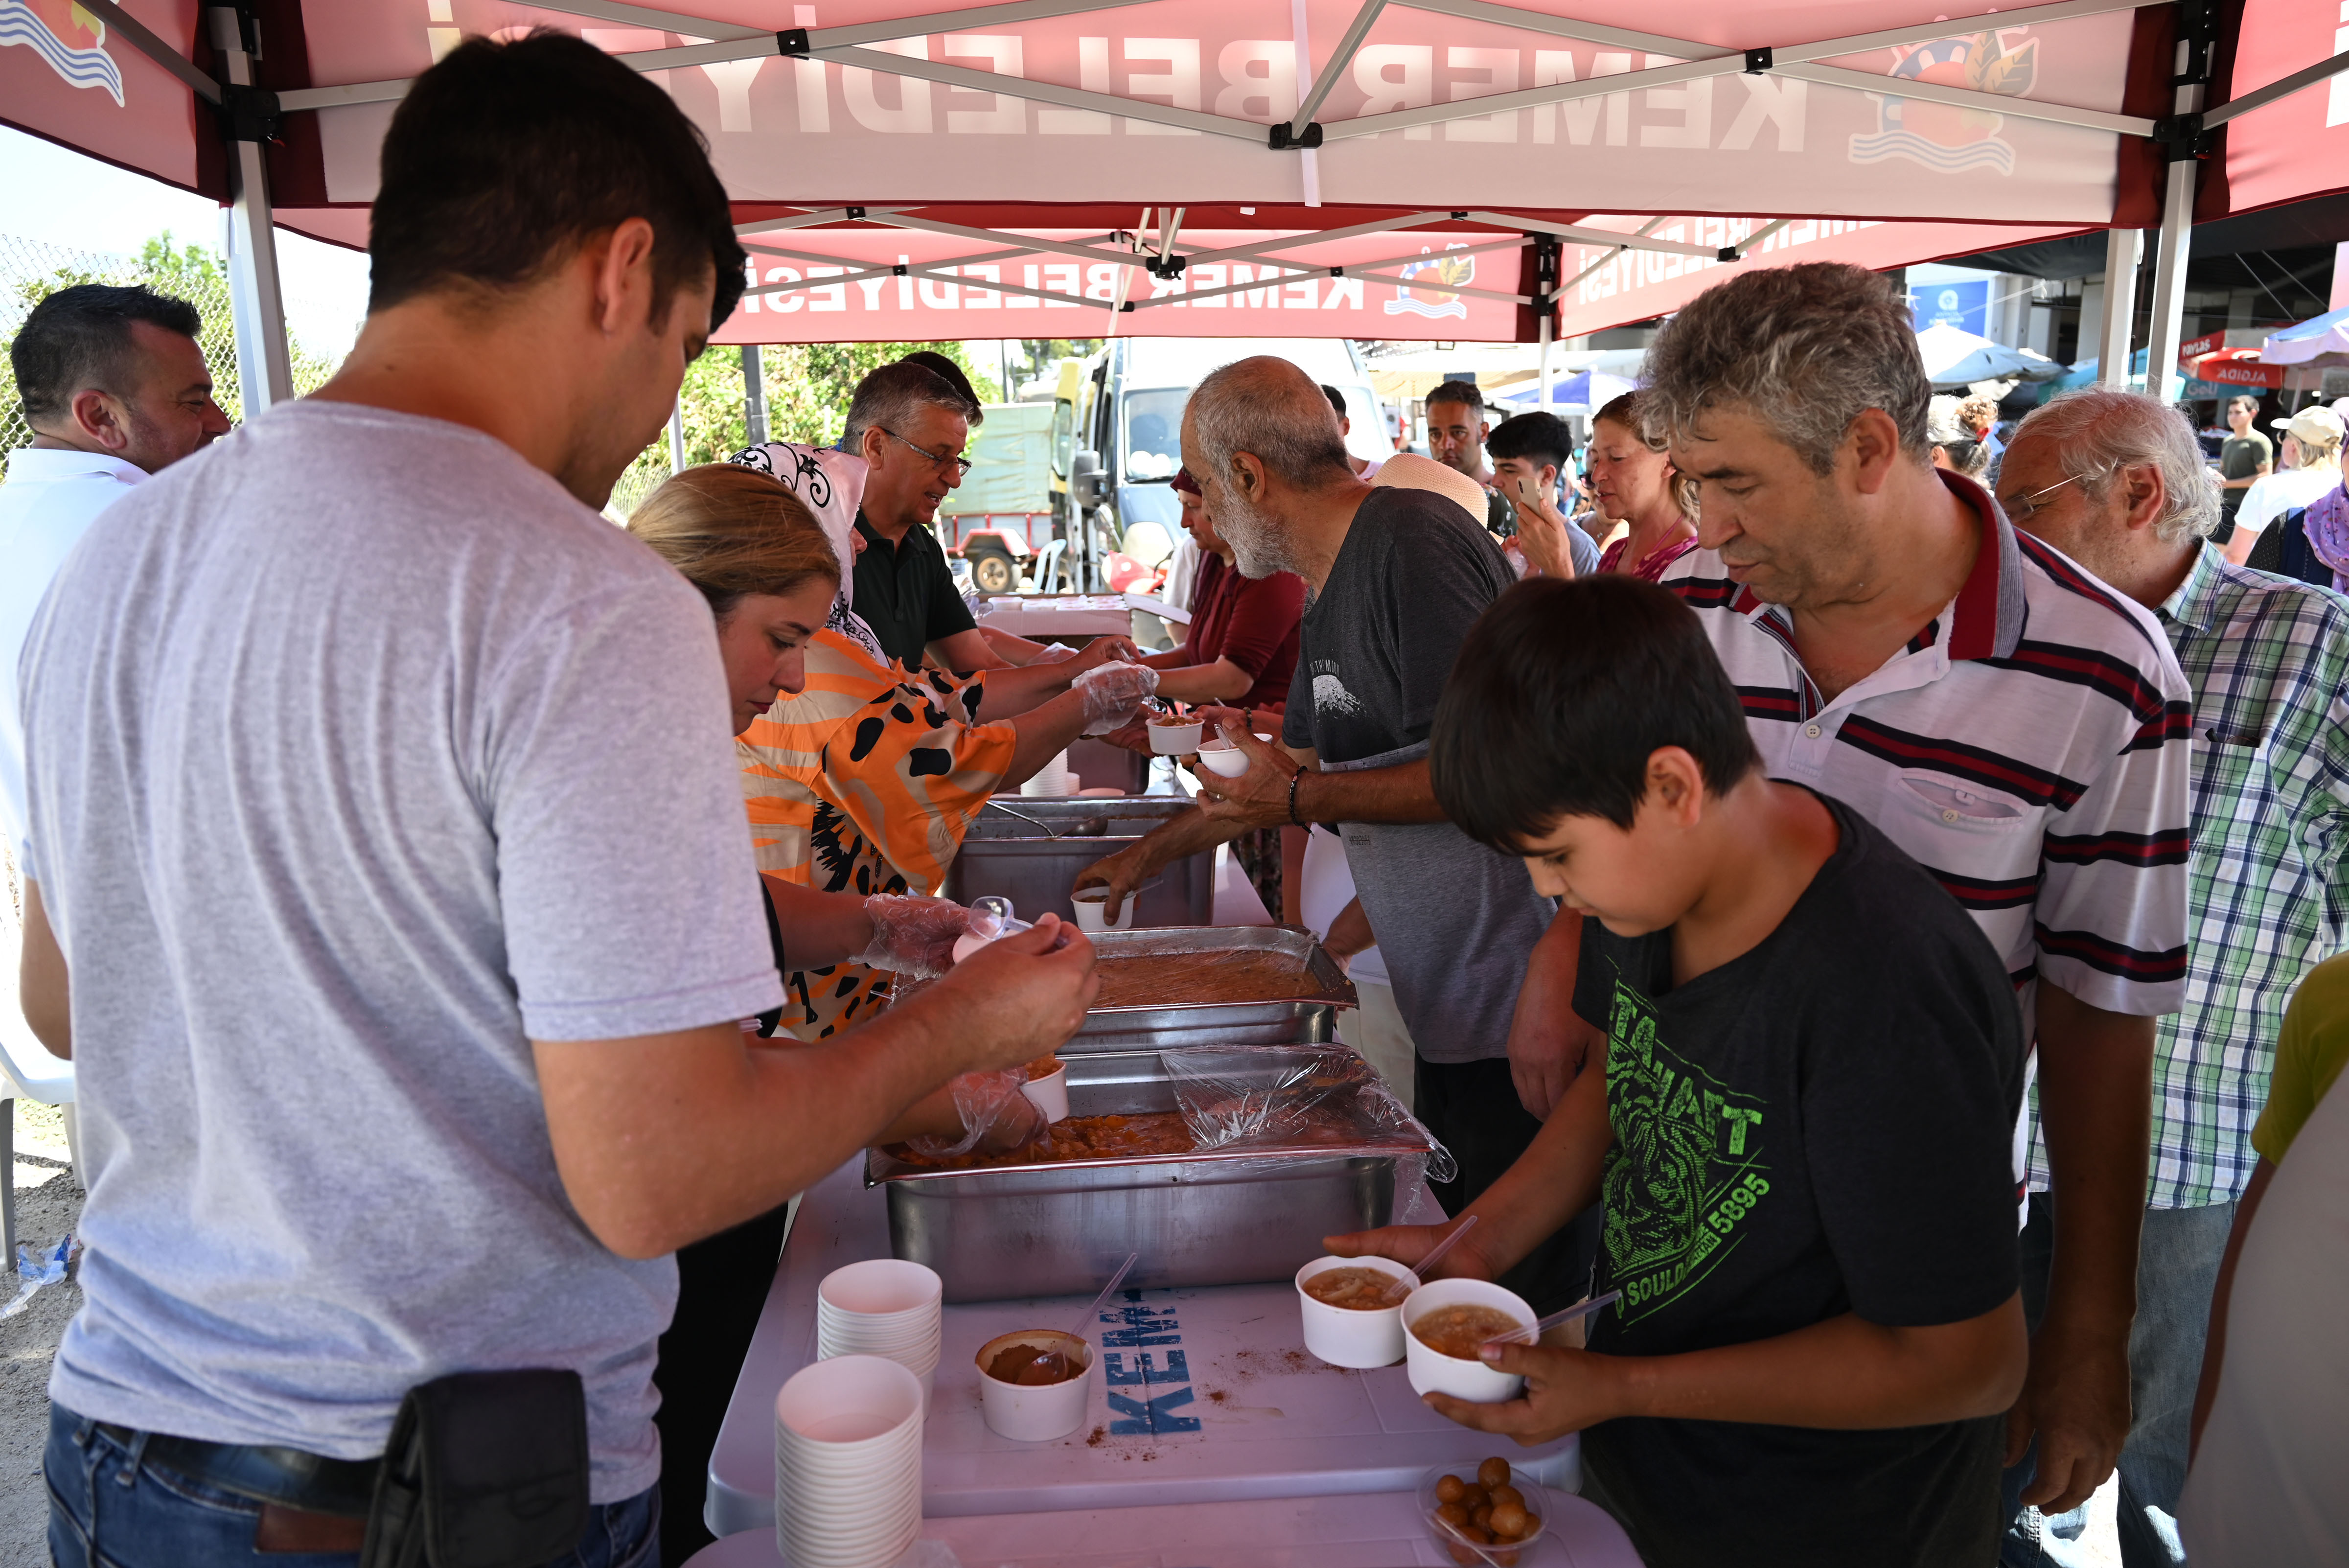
<point x="1440" y="169"/>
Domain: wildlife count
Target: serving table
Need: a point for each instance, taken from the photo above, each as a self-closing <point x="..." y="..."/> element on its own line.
<point x="1202" y="1396"/>
<point x="1382" y="1531"/>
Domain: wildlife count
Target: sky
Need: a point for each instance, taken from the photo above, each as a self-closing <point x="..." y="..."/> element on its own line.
<point x="62" y="198"/>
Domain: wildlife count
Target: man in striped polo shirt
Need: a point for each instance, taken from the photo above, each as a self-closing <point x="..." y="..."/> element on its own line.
<point x="2115" y="481"/>
<point x="2011" y="722"/>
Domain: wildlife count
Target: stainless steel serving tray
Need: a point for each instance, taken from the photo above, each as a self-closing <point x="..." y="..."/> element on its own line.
<point x="1012" y="858"/>
<point x="1217" y="1218"/>
<point x="1309" y="1017"/>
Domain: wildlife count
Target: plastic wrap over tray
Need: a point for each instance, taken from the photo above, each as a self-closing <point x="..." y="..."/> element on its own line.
<point x="1288" y="1097"/>
<point x="1239" y="1213"/>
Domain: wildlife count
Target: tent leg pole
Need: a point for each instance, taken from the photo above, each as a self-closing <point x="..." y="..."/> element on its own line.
<point x="2176" y="241"/>
<point x="2124" y="248"/>
<point x="677" y="437"/>
<point x="1544" y="403"/>
<point x="265" y="371"/>
<point x="754" y="398"/>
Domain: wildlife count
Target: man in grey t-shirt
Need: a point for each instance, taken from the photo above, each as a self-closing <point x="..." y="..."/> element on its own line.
<point x="390" y="885"/>
<point x="1395" y="578"/>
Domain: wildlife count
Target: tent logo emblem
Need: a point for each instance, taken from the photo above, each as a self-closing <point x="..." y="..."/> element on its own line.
<point x="72" y="40"/>
<point x="1943" y="137"/>
<point x="1457" y="270"/>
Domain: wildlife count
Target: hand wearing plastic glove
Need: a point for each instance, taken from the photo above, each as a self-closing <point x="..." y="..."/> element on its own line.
<point x="914" y="936"/>
<point x="1054" y="653"/>
<point x="996" y="1114"/>
<point x="1113" y="693"/>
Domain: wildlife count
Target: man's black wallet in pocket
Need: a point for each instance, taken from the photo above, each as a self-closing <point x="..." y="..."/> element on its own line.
<point x="484" y="1469"/>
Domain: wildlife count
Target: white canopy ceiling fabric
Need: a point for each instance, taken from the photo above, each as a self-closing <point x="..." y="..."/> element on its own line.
<point x="1438" y="137"/>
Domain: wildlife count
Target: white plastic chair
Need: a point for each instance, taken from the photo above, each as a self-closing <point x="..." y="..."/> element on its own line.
<point x="1047" y="572"/>
<point x="27" y="1071"/>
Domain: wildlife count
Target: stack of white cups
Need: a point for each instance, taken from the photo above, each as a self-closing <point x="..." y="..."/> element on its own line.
<point x="848" y="1464"/>
<point x="883" y="1307"/>
<point x="1053" y="779"/>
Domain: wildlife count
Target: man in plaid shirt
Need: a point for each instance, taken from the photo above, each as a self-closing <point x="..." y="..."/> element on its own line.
<point x="2114" y="480"/>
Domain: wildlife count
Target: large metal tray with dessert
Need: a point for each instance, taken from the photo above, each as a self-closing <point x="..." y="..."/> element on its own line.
<point x="1212" y="985"/>
<point x="1236" y="1215"/>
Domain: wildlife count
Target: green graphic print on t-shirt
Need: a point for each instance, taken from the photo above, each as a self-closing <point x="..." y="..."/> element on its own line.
<point x="1687" y="1168"/>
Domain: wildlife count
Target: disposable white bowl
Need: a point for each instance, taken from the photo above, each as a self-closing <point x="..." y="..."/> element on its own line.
<point x="1174" y="740"/>
<point x="1225" y="760"/>
<point x="882" y="1288"/>
<point x="1351" y="1337"/>
<point x="1035" y="1415"/>
<point x="1050" y="1091"/>
<point x="1433" y="1373"/>
<point x="848" y="1463"/>
<point x="1089" y="903"/>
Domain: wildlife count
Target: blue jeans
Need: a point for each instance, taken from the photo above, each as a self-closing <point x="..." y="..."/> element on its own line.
<point x="109" y="1507"/>
<point x="2176" y="1271"/>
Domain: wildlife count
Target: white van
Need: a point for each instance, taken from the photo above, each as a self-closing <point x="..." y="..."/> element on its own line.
<point x="1120" y="418"/>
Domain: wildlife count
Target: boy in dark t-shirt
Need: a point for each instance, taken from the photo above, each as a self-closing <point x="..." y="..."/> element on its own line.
<point x="1801" y="1128"/>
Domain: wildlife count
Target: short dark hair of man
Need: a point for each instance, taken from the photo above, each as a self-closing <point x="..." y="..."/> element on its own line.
<point x="1539" y="435"/>
<point x="1456" y="392"/>
<point x="505" y="158"/>
<point x="80" y="338"/>
<point x="1337" y="399"/>
<point x="1561" y="692"/>
<point x="888" y="396"/>
<point x="1804" y="349"/>
<point x="949" y="372"/>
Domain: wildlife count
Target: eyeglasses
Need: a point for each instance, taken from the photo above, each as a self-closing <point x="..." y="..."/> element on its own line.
<point x="960" y="466"/>
<point x="2032" y="505"/>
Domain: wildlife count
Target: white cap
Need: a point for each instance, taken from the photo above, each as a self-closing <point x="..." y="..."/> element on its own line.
<point x="2314" y="427"/>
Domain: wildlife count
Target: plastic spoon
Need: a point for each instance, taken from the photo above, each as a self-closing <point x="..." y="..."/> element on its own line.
<point x="1060" y="1359"/>
<point x="1531" y="1335"/>
<point x="1401" y="1288"/>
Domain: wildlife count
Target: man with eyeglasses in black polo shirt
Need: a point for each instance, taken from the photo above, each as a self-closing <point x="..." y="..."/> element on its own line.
<point x="909" y="424"/>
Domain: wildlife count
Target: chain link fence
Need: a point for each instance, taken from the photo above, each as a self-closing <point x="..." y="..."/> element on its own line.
<point x="31" y="270"/>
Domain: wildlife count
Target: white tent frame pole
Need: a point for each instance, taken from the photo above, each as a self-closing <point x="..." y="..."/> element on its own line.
<point x="1542" y="403"/>
<point x="2176" y="239"/>
<point x="1254" y="248"/>
<point x="1966" y="97"/>
<point x="1650" y="226"/>
<point x="264" y="369"/>
<point x="2124" y="248"/>
<point x="1362" y="270"/>
<point x="965" y="232"/>
<point x="1340" y="63"/>
<point x="1581" y="235"/>
<point x="2283" y="87"/>
<point x="809" y="219"/>
<point x="122" y="24"/>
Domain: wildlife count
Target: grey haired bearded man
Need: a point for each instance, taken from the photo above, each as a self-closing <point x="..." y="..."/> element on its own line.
<point x="1396" y="577"/>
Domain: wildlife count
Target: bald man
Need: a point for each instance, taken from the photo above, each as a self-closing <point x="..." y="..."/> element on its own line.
<point x="1397" y="577"/>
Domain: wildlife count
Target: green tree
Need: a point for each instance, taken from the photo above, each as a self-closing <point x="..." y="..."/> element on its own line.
<point x="808" y="388"/>
<point x="190" y="272"/>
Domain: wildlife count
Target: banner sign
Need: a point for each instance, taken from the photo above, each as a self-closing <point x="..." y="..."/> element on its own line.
<point x="62" y="75"/>
<point x="2298" y="146"/>
<point x="1607" y="288"/>
<point x="811" y="131"/>
<point x="1295" y="295"/>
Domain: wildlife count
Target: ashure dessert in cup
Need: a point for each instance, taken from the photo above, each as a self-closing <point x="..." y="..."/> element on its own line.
<point x="1349" y="1319"/>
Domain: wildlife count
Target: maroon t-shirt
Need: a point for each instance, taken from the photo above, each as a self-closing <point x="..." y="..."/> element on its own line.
<point x="1252" y="622"/>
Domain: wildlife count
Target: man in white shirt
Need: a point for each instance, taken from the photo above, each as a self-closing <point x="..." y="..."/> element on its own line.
<point x="115" y="387"/>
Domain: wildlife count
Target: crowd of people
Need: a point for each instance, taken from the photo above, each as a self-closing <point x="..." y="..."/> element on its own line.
<point x="1884" y="927"/>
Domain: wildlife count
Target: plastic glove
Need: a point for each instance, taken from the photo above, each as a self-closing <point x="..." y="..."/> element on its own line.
<point x="914" y="936"/>
<point x="1054" y="653"/>
<point x="1113" y="693"/>
<point x="996" y="1113"/>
